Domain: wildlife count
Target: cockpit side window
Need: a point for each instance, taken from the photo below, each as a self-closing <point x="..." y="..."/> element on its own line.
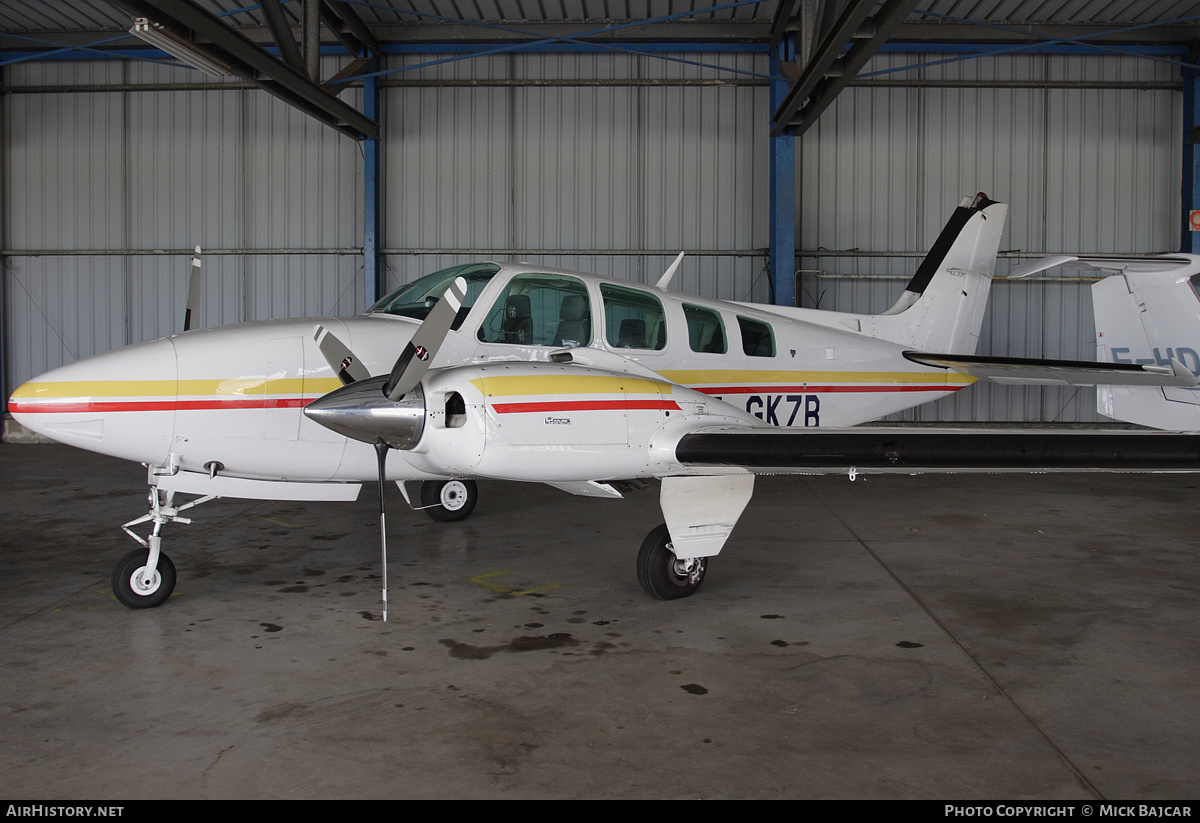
<point x="1195" y="281"/>
<point x="757" y="338"/>
<point x="633" y="319"/>
<point x="417" y="298"/>
<point x="540" y="310"/>
<point x="706" y="332"/>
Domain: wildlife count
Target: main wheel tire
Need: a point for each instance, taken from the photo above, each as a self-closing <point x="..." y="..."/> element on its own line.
<point x="132" y="591"/>
<point x="449" y="500"/>
<point x="662" y="574"/>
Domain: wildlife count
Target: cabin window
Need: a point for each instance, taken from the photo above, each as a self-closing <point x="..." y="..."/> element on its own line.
<point x="633" y="319"/>
<point x="540" y="310"/>
<point x="757" y="339"/>
<point x="706" y="332"/>
<point x="417" y="298"/>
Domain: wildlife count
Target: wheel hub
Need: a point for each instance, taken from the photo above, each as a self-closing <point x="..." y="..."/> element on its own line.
<point x="143" y="583"/>
<point x="454" y="495"/>
<point x="687" y="572"/>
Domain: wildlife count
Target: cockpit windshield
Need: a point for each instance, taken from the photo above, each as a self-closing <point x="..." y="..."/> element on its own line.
<point x="417" y="298"/>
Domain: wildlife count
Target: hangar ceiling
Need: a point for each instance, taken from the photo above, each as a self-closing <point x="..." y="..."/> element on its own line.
<point x="821" y="44"/>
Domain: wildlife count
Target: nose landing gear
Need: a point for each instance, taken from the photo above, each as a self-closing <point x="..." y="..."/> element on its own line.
<point x="145" y="577"/>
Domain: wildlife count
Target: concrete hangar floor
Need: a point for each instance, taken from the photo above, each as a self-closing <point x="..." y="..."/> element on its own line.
<point x="900" y="637"/>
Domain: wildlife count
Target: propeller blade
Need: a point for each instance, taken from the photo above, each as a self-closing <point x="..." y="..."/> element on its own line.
<point x="193" y="299"/>
<point x="345" y="365"/>
<point x="414" y="361"/>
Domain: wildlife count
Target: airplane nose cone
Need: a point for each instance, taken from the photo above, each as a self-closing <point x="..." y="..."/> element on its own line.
<point x="361" y="411"/>
<point x="121" y="403"/>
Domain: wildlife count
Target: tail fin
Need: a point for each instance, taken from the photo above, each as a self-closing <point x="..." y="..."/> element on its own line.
<point x="1149" y="313"/>
<point x="942" y="307"/>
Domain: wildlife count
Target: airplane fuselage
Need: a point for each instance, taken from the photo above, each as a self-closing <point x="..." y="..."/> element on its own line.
<point x="232" y="397"/>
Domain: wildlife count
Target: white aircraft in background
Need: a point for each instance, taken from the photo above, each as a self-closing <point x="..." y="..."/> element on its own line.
<point x="1147" y="312"/>
<point x="524" y="373"/>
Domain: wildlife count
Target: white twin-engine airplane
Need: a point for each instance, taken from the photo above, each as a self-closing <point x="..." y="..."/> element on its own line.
<point x="519" y="372"/>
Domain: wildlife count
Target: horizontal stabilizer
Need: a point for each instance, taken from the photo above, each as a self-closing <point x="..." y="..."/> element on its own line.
<point x="1040" y="264"/>
<point x="1032" y="371"/>
<point x="1177" y="264"/>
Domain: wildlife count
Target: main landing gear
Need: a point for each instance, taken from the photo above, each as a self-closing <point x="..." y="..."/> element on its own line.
<point x="662" y="574"/>
<point x="448" y="501"/>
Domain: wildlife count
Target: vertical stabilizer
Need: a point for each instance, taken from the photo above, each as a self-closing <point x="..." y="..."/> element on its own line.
<point x="1149" y="313"/>
<point x="941" y="309"/>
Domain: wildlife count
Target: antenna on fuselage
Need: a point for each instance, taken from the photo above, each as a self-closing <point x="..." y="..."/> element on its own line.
<point x="669" y="273"/>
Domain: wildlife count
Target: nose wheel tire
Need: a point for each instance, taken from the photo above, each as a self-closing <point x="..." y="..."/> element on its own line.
<point x="662" y="574"/>
<point x="449" y="500"/>
<point x="138" y="588"/>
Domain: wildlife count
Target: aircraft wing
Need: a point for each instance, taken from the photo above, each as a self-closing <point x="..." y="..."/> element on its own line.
<point x="1031" y="371"/>
<point x="911" y="450"/>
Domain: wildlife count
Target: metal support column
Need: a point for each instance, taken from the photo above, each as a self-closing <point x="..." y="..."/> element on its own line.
<point x="1190" y="241"/>
<point x="372" y="171"/>
<point x="783" y="189"/>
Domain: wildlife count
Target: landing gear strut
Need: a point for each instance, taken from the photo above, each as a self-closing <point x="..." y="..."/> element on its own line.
<point x="662" y="574"/>
<point x="145" y="577"/>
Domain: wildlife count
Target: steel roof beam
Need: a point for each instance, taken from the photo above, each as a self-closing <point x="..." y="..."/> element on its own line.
<point x="827" y="53"/>
<point x="251" y="62"/>
<point x="829" y="71"/>
<point x="281" y="33"/>
<point x="341" y="19"/>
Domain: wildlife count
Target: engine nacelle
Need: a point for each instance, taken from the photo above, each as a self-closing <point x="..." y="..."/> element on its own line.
<point x="536" y="422"/>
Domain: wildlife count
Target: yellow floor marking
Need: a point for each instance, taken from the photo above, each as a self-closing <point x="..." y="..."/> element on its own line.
<point x="485" y="581"/>
<point x="279" y="521"/>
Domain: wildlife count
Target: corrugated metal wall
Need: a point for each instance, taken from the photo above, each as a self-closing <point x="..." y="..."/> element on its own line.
<point x="603" y="178"/>
<point x="613" y="170"/>
<point x="1082" y="169"/>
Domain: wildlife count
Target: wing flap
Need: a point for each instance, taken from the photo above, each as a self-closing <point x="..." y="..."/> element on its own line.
<point x="1032" y="371"/>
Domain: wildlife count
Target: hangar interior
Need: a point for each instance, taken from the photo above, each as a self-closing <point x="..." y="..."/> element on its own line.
<point x="804" y="152"/>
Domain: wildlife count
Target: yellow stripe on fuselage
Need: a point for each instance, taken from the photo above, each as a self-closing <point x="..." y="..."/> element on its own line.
<point x="172" y="388"/>
<point x="553" y="384"/>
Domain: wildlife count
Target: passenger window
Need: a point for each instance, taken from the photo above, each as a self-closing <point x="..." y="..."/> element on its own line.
<point x="706" y="332"/>
<point x="633" y="319"/>
<point x="757" y="339"/>
<point x="540" y="310"/>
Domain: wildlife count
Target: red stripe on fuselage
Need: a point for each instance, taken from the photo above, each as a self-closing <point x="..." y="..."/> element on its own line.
<point x="815" y="389"/>
<point x="583" y="405"/>
<point x="70" y="407"/>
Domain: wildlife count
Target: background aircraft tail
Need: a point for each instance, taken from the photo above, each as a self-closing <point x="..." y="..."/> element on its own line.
<point x="941" y="309"/>
<point x="1149" y="313"/>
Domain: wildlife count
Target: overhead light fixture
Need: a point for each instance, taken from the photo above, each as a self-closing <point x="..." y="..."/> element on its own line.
<point x="182" y="50"/>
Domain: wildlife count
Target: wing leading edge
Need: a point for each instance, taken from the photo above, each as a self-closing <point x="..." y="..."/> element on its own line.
<point x="918" y="451"/>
